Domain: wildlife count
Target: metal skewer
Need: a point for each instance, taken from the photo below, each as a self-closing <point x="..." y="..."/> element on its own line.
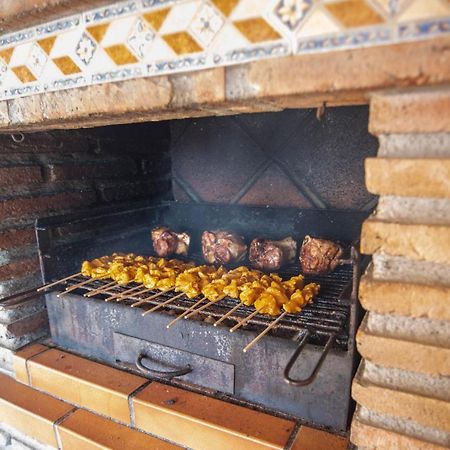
<point x="185" y="312"/>
<point x="231" y="311"/>
<point x="146" y="299"/>
<point x="75" y="286"/>
<point x="161" y="305"/>
<point x="263" y="333"/>
<point x="244" y="321"/>
<point x="101" y="290"/>
<point x="46" y="286"/>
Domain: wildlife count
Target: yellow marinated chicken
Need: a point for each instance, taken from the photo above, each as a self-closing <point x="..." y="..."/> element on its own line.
<point x="194" y="279"/>
<point x="294" y="283"/>
<point x="272" y="299"/>
<point x="269" y="294"/>
<point x="301" y="297"/>
<point x="97" y="268"/>
<point x="230" y="284"/>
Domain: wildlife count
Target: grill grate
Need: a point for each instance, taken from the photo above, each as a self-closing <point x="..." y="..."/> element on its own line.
<point x="328" y="314"/>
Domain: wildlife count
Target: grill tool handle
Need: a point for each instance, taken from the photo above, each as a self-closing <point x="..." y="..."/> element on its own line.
<point x="294" y="357"/>
<point x="160" y="373"/>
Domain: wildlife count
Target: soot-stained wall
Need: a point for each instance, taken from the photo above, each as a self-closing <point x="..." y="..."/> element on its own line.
<point x="287" y="158"/>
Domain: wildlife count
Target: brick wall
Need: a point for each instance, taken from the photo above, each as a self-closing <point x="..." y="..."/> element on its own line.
<point x="54" y="173"/>
<point x="402" y="387"/>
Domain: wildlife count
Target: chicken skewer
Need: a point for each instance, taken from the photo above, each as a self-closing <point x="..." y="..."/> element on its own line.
<point x="267" y="293"/>
<point x="121" y="294"/>
<point x="264" y="332"/>
<point x="147" y="299"/>
<point x="174" y="321"/>
<point x="102" y="290"/>
<point x="161" y="305"/>
<point x="62" y="280"/>
<point x="73" y="287"/>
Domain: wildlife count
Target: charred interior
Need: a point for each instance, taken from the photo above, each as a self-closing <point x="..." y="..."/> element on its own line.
<point x="271" y="182"/>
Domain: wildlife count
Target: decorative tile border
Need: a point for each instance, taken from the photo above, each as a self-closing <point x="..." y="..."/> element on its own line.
<point x="143" y="38"/>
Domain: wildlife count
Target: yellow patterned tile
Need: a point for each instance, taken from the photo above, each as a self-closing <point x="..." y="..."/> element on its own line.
<point x="256" y="30"/>
<point x="180" y="17"/>
<point x="182" y="43"/>
<point x="157" y="18"/>
<point x="66" y="65"/>
<point x="420" y="10"/>
<point x="23" y="73"/>
<point x="225" y="6"/>
<point x="98" y="31"/>
<point x="47" y="44"/>
<point x="317" y="23"/>
<point x="120" y="54"/>
<point x="6" y="54"/>
<point x="354" y="13"/>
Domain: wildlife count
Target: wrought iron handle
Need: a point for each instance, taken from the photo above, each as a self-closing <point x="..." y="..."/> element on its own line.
<point x="160" y="373"/>
<point x="294" y="357"/>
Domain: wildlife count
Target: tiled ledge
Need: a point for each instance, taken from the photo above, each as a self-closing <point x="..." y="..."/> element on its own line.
<point x="186" y="418"/>
<point x="58" y="424"/>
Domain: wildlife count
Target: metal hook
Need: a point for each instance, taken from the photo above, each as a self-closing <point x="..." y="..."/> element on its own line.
<point x="320" y="112"/>
<point x="18" y="138"/>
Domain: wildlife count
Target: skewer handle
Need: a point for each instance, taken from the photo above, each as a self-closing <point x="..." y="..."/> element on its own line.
<point x="120" y="294"/>
<point x="228" y="314"/>
<point x="146" y="299"/>
<point x="101" y="290"/>
<point x="185" y="313"/>
<point x="161" y="305"/>
<point x="46" y="286"/>
<point x="244" y="321"/>
<point x="75" y="286"/>
<point x="264" y="332"/>
<point x="201" y="308"/>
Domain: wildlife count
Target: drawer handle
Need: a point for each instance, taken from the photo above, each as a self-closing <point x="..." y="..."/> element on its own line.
<point x="160" y="373"/>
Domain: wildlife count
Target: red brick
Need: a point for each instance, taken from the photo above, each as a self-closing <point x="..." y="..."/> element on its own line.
<point x="18" y="268"/>
<point x="90" y="170"/>
<point x="20" y="175"/>
<point x="26" y="207"/>
<point x="122" y="191"/>
<point x="414" y="111"/>
<point x="17" y="238"/>
<point x="28" y="324"/>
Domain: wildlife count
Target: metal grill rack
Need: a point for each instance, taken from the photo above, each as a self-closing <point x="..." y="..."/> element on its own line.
<point x="327" y="315"/>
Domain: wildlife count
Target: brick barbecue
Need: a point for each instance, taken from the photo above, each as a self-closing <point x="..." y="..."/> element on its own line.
<point x="349" y="139"/>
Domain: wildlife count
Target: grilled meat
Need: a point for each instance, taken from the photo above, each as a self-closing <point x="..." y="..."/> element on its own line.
<point x="266" y="254"/>
<point x="222" y="247"/>
<point x="166" y="242"/>
<point x="319" y="255"/>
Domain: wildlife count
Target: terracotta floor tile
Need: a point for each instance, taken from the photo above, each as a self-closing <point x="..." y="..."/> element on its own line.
<point x="201" y="422"/>
<point x="20" y="358"/>
<point x="85" y="383"/>
<point x="312" y="439"/>
<point x="85" y="430"/>
<point x="30" y="411"/>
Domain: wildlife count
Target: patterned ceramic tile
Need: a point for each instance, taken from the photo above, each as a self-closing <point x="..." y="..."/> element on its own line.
<point x="292" y="12"/>
<point x="139" y="38"/>
<point x="85" y="48"/>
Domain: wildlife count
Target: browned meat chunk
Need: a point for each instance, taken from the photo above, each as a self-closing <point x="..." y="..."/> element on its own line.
<point x="167" y="242"/>
<point x="319" y="255"/>
<point x="222" y="247"/>
<point x="266" y="254"/>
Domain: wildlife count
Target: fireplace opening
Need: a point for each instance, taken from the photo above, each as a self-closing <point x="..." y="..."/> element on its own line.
<point x="271" y="175"/>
